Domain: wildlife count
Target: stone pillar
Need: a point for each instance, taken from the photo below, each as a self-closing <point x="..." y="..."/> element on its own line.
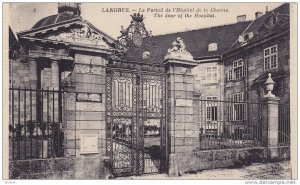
<point x="33" y="73"/>
<point x="197" y="113"/>
<point x="270" y="120"/>
<point x="85" y="115"/>
<point x="54" y="97"/>
<point x="33" y="77"/>
<point x="55" y="74"/>
<point x="270" y="125"/>
<point x="68" y="118"/>
<point x="89" y="77"/>
<point x="182" y="128"/>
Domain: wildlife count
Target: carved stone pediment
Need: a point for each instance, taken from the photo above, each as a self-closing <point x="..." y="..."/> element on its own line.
<point x="82" y="34"/>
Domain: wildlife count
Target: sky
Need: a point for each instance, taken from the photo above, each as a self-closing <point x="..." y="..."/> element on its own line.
<point x="24" y="15"/>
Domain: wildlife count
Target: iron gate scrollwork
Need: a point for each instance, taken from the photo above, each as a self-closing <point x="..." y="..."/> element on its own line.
<point x="135" y="122"/>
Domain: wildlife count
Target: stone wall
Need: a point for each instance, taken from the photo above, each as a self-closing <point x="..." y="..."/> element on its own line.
<point x="19" y="73"/>
<point x="57" y="168"/>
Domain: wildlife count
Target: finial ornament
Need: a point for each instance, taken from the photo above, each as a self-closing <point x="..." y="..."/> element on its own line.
<point x="269" y="85"/>
<point x="178" y="50"/>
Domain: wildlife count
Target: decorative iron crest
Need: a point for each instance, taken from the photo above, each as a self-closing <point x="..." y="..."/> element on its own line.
<point x="134" y="34"/>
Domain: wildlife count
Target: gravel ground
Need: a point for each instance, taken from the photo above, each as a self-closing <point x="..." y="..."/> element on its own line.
<point x="259" y="171"/>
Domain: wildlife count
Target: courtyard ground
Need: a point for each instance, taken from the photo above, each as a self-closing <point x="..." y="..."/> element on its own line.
<point x="255" y="171"/>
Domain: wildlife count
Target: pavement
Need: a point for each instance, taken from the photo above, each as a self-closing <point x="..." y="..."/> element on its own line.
<point x="255" y="171"/>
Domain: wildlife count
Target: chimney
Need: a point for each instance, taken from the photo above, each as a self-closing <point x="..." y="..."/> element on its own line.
<point x="70" y="8"/>
<point x="241" y="18"/>
<point x="258" y="14"/>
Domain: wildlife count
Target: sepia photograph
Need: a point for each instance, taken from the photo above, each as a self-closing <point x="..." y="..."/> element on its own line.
<point x="134" y="91"/>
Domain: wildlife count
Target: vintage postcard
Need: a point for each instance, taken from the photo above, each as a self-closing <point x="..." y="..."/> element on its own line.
<point x="200" y="91"/>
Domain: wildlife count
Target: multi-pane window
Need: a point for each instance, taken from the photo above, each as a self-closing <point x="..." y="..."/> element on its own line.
<point x="238" y="70"/>
<point x="270" y="58"/>
<point x="238" y="97"/>
<point x="211" y="109"/>
<point x="237" y="109"/>
<point x="210" y="75"/>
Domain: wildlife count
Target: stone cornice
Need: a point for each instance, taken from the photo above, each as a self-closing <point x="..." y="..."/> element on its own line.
<point x="52" y="56"/>
<point x="87" y="48"/>
<point x="180" y="61"/>
<point x="74" y="46"/>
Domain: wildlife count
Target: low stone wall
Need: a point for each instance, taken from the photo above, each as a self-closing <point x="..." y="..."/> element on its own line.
<point x="93" y="168"/>
<point x="57" y="168"/>
<point x="202" y="160"/>
<point x="230" y="158"/>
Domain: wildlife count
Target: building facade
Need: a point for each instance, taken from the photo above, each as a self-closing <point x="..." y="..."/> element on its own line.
<point x="145" y="104"/>
<point x="262" y="48"/>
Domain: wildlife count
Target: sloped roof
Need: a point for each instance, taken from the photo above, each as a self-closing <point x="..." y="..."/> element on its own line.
<point x="196" y="42"/>
<point x="13" y="40"/>
<point x="258" y="23"/>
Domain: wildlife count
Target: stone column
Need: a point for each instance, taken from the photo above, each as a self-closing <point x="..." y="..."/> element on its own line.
<point x="33" y="73"/>
<point x="55" y="74"/>
<point x="33" y="77"/>
<point x="54" y="97"/>
<point x="270" y="120"/>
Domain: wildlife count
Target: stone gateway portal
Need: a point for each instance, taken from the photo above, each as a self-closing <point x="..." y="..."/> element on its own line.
<point x="85" y="105"/>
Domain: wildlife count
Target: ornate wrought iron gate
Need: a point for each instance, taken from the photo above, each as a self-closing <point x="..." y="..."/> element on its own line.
<point x="135" y="122"/>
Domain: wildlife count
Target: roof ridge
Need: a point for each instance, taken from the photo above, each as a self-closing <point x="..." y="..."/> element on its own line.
<point x="222" y="25"/>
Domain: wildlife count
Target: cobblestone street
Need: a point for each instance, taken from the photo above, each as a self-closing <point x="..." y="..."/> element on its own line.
<point x="259" y="171"/>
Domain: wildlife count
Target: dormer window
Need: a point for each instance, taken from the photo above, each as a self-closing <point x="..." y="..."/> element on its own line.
<point x="251" y="35"/>
<point x="212" y="47"/>
<point x="246" y="37"/>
